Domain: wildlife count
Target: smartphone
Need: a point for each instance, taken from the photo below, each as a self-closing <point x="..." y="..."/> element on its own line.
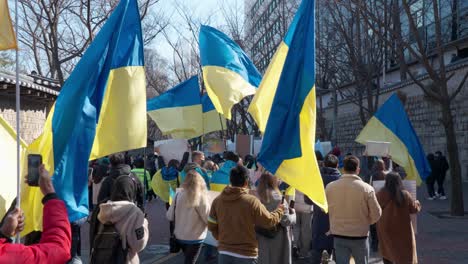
<point x="291" y="204"/>
<point x="34" y="161"/>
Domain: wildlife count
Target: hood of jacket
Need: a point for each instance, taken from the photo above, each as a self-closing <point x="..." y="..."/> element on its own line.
<point x="115" y="211"/>
<point x="326" y="171"/>
<point x="122" y="169"/>
<point x="169" y="173"/>
<point x="233" y="193"/>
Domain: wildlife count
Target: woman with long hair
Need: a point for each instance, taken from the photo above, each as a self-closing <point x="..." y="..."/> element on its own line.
<point x="274" y="245"/>
<point x="189" y="211"/>
<point x="397" y="243"/>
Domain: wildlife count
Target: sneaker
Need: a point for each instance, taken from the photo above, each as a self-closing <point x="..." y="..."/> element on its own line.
<point x="443" y="197"/>
<point x="437" y="195"/>
<point x="431" y="198"/>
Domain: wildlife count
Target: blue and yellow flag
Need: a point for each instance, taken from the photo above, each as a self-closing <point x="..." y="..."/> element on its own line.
<point x="228" y="73"/>
<point x="212" y="120"/>
<point x="391" y="124"/>
<point x="8" y="164"/>
<point x="101" y="110"/>
<point x="284" y="108"/>
<point x="7" y="34"/>
<point x="178" y="111"/>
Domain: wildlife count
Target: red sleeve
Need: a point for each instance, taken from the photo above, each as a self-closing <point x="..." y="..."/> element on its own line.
<point x="55" y="242"/>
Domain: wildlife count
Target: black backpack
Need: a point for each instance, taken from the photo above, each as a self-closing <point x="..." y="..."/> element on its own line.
<point x="107" y="246"/>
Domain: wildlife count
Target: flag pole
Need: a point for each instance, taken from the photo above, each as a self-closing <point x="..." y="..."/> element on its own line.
<point x="18" y="146"/>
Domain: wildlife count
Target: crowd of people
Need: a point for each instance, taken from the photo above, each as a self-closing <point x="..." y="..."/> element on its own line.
<point x="252" y="219"/>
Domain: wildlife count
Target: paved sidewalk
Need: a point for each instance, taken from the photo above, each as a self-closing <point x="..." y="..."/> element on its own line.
<point x="439" y="240"/>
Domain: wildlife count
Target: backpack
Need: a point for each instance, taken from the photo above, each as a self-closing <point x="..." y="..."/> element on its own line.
<point x="107" y="246"/>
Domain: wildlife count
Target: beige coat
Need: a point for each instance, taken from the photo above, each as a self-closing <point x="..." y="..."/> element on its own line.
<point x="395" y="231"/>
<point x="130" y="222"/>
<point x="352" y="206"/>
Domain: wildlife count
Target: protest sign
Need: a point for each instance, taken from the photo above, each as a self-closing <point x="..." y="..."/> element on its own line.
<point x="377" y="148"/>
<point x="171" y="149"/>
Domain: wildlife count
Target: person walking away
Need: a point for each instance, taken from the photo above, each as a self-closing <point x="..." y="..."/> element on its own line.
<point x="220" y="178"/>
<point x="129" y="221"/>
<point x="189" y="211"/>
<point x="442" y="167"/>
<point x="353" y="207"/>
<point x="378" y="175"/>
<point x="397" y="241"/>
<point x="143" y="175"/>
<point x="430" y="180"/>
<point x="233" y="216"/>
<point x="321" y="240"/>
<point x="274" y="245"/>
<point x="302" y="230"/>
<point x="55" y="243"/>
<point x="119" y="168"/>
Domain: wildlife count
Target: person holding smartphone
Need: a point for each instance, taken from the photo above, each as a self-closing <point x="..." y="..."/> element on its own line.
<point x="55" y="243"/>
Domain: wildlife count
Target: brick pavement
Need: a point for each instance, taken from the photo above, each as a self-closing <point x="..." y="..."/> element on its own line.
<point x="439" y="241"/>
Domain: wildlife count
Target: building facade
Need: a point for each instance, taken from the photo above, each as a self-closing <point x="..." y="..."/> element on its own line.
<point x="37" y="97"/>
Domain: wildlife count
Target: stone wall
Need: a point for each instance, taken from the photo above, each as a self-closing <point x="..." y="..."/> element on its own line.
<point x="32" y="117"/>
<point x="424" y="114"/>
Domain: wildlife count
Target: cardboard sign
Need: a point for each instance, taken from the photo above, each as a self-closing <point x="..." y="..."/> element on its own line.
<point x="377" y="149"/>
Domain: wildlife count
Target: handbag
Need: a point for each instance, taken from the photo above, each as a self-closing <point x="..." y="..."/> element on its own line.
<point x="174" y="246"/>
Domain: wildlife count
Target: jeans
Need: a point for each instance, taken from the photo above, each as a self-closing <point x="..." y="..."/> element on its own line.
<point x="191" y="252"/>
<point x="345" y="248"/>
<point x="226" y="259"/>
<point x="440" y="183"/>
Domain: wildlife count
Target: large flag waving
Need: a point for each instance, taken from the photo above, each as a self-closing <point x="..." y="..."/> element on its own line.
<point x="178" y="111"/>
<point x="7" y="35"/>
<point x="285" y="107"/>
<point x="228" y="73"/>
<point x="8" y="164"/>
<point x="101" y="110"/>
<point x="212" y="121"/>
<point x="391" y="124"/>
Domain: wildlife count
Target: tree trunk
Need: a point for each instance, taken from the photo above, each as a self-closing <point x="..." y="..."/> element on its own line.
<point x="457" y="206"/>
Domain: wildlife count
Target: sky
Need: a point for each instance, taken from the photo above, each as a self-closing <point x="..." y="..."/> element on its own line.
<point x="205" y="11"/>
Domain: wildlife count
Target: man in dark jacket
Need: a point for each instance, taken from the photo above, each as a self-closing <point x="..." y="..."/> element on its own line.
<point x="55" y="243"/>
<point x="320" y="222"/>
<point x="441" y="168"/>
<point x="119" y="168"/>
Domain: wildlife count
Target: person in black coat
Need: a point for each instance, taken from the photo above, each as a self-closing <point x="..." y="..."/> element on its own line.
<point x="320" y="221"/>
<point x="441" y="168"/>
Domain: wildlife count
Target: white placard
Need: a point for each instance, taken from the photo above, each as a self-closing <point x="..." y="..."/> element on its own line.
<point x="377" y="148"/>
<point x="172" y="149"/>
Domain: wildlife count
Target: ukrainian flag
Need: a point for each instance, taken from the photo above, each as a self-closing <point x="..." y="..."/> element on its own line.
<point x="391" y="124"/>
<point x="178" y="111"/>
<point x="7" y="34"/>
<point x="228" y="73"/>
<point x="284" y="108"/>
<point x="212" y="120"/>
<point x="100" y="110"/>
<point x="8" y="164"/>
<point x="220" y="178"/>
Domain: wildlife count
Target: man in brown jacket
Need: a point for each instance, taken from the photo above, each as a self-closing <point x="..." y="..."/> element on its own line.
<point x="352" y="208"/>
<point x="233" y="217"/>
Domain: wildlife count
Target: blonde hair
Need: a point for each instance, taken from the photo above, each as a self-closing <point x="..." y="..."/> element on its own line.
<point x="195" y="187"/>
<point x="266" y="184"/>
